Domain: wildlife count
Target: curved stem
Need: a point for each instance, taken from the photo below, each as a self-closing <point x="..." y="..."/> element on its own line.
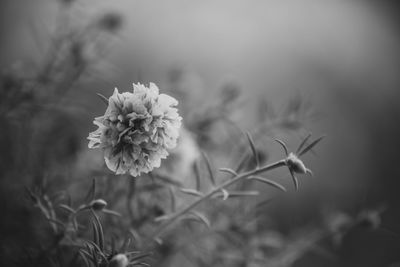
<point x="227" y="183"/>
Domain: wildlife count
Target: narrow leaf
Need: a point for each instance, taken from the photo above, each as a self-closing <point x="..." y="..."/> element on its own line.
<point x="253" y="149"/>
<point x="112" y="212"/>
<point x="91" y="193"/>
<point x="227" y="170"/>
<point x="138" y="257"/>
<point x="295" y="180"/>
<point x="210" y="172"/>
<point x="283" y="145"/>
<point x="201" y="218"/>
<point x="66" y="208"/>
<point x="269" y="182"/>
<point x="103" y="98"/>
<point x="162" y="218"/>
<point x="197" y="175"/>
<point x="84" y="257"/>
<point x="191" y="192"/>
<point x="242" y="162"/>
<point x="100" y="230"/>
<point x="238" y="194"/>
<point x="95" y="233"/>
<point x="173" y="200"/>
<point x="303" y="143"/>
<point x="310" y="146"/>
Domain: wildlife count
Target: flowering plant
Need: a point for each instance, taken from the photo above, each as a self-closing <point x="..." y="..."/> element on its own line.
<point x="137" y="129"/>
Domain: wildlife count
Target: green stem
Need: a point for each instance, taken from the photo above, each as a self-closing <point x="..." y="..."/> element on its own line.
<point x="227" y="183"/>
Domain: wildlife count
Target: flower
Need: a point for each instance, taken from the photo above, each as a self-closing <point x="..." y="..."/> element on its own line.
<point x="137" y="129"/>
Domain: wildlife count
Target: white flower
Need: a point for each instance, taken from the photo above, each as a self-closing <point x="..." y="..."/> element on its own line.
<point x="137" y="129"/>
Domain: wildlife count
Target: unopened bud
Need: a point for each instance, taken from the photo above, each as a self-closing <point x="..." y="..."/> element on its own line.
<point x="296" y="165"/>
<point x="119" y="260"/>
<point x="98" y="204"/>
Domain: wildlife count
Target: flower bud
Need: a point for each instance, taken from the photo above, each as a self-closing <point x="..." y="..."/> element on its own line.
<point x="119" y="260"/>
<point x="295" y="164"/>
<point x="98" y="204"/>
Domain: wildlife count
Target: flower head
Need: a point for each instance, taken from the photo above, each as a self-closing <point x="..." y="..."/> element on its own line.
<point x="137" y="129"/>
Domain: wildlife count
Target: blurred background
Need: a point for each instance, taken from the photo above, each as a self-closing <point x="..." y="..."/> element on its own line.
<point x="278" y="69"/>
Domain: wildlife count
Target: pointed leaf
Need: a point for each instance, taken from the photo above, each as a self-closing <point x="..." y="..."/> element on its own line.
<point x="269" y="182"/>
<point x="67" y="208"/>
<point x="191" y="192"/>
<point x="112" y="212"/>
<point x="283" y="145"/>
<point x="242" y="162"/>
<point x="210" y="172"/>
<point x="303" y="143"/>
<point x="100" y="230"/>
<point x="295" y="180"/>
<point x="138" y="257"/>
<point x="253" y="149"/>
<point x="91" y="193"/>
<point x="197" y="175"/>
<point x="103" y="98"/>
<point x="173" y="200"/>
<point x="228" y="170"/>
<point x="201" y="217"/>
<point x="162" y="218"/>
<point x="84" y="257"/>
<point x="310" y="146"/>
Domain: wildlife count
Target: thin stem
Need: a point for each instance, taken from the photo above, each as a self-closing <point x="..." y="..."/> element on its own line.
<point x="227" y="183"/>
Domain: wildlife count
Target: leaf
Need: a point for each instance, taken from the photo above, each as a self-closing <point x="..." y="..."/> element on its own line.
<point x="83" y="256"/>
<point x="143" y="264"/>
<point x="173" y="200"/>
<point x="201" y="217"/>
<point x="191" y="192"/>
<point x="67" y="208"/>
<point x="197" y="175"/>
<point x="111" y="212"/>
<point x="91" y="193"/>
<point x="239" y="194"/>
<point x="225" y="194"/>
<point x="295" y="180"/>
<point x="269" y="182"/>
<point x="310" y="146"/>
<point x="242" y="162"/>
<point x="99" y="230"/>
<point x="227" y="170"/>
<point x="96" y="250"/>
<point x="253" y="149"/>
<point x="210" y="172"/>
<point x="162" y="218"/>
<point x="95" y="233"/>
<point x="243" y="193"/>
<point x="138" y="257"/>
<point x="303" y="143"/>
<point x="103" y="98"/>
<point x="283" y="145"/>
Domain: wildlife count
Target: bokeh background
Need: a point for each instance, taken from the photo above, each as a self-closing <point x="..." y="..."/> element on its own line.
<point x="335" y="62"/>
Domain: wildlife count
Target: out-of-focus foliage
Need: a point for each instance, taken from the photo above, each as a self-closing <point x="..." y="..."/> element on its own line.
<point x="63" y="207"/>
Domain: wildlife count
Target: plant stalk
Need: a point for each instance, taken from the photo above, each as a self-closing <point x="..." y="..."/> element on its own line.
<point x="227" y="183"/>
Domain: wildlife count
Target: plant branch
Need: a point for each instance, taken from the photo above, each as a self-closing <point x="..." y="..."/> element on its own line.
<point x="215" y="190"/>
